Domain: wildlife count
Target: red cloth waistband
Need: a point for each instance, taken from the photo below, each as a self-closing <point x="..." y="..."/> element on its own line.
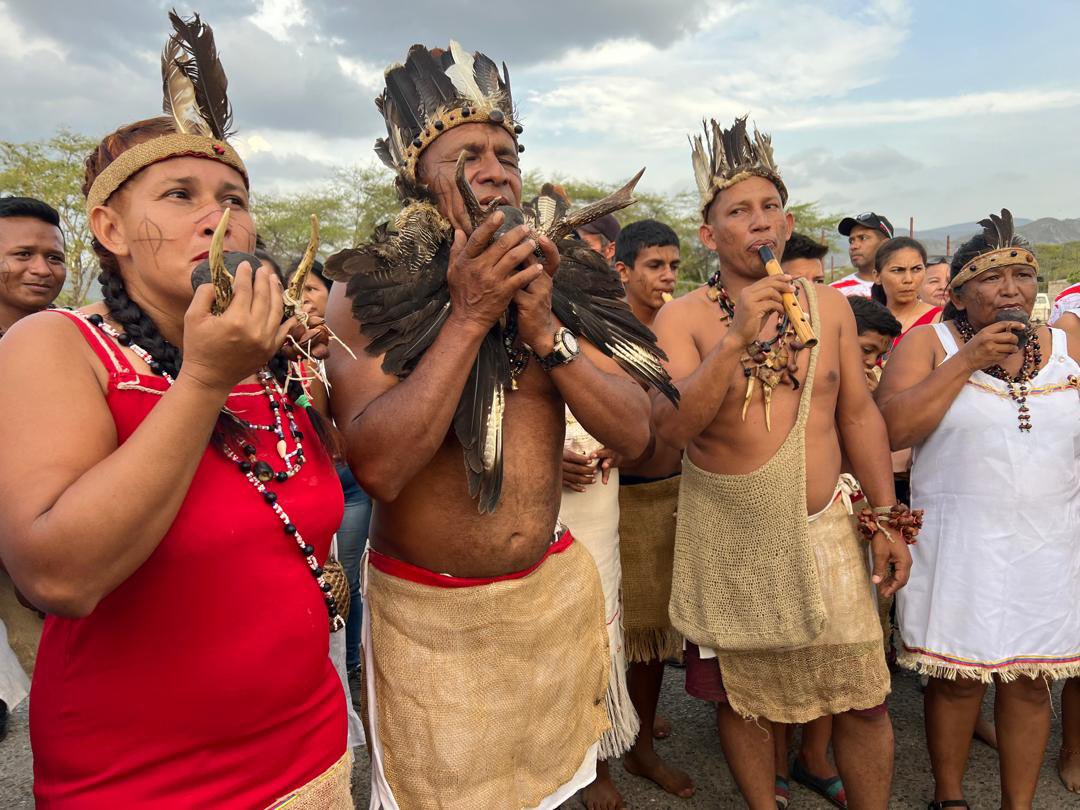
<point x="414" y="573"/>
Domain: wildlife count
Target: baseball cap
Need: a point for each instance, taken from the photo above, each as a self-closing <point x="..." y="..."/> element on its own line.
<point x="868" y="219"/>
<point x="607" y="226"/>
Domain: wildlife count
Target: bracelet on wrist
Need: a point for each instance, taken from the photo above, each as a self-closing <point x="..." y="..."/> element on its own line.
<point x="897" y="517"/>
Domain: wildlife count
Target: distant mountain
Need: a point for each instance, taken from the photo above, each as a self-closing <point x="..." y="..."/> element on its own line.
<point x="1052" y="231"/>
<point x="959" y="231"/>
<point x="1047" y="230"/>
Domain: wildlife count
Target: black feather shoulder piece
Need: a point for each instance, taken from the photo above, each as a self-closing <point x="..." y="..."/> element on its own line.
<point x="398" y="287"/>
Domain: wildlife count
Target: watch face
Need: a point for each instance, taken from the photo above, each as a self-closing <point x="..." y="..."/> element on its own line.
<point x="570" y="342"/>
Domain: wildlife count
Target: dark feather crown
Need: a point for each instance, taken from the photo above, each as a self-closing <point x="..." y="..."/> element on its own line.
<point x="724" y="157"/>
<point x="435" y="91"/>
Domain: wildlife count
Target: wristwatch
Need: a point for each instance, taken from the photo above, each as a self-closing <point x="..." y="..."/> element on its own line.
<point x="566" y="349"/>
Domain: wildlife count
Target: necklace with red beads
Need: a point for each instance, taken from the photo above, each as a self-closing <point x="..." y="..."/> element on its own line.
<point x="1016" y="386"/>
<point x="258" y="472"/>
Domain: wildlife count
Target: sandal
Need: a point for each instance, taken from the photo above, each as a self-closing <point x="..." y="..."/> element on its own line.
<point x="948" y="803"/>
<point x="783" y="793"/>
<point x="831" y="790"/>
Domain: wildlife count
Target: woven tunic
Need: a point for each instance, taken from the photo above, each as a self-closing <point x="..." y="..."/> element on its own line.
<point x="204" y="679"/>
<point x="995" y="580"/>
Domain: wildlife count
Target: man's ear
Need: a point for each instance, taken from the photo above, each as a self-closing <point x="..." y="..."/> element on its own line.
<point x="705" y="234"/>
<point x="609" y="252"/>
<point x="623" y="271"/>
<point x="954" y="296"/>
<point x="789" y="220"/>
<point x="106" y="225"/>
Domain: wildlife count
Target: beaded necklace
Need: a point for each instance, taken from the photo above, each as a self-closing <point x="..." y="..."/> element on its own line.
<point x="257" y="472"/>
<point x="1016" y="386"/>
<point x="769" y="362"/>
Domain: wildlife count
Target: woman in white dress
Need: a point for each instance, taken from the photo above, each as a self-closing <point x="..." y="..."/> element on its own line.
<point x="992" y="410"/>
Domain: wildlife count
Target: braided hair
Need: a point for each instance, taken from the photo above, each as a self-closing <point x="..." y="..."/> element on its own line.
<point x="142" y="329"/>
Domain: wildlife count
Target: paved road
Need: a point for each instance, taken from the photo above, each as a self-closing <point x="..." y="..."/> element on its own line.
<point x="694" y="747"/>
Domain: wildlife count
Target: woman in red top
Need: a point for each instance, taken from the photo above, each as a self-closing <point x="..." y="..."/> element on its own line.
<point x="170" y="518"/>
<point x="899" y="269"/>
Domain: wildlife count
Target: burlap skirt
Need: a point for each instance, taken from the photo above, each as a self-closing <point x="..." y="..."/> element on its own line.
<point x="489" y="695"/>
<point x="647" y="547"/>
<point x="329" y="790"/>
<point x="842" y="669"/>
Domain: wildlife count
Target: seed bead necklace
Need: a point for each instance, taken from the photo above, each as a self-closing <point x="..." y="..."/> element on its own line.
<point x="257" y="472"/>
<point x="1016" y="386"/>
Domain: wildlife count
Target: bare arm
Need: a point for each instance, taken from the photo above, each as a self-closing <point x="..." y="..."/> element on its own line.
<point x="863" y="436"/>
<point x="81" y="514"/>
<point x="914" y="394"/>
<point x="608" y="404"/>
<point x="862" y="429"/>
<point x="380" y="416"/>
<point x="703" y="383"/>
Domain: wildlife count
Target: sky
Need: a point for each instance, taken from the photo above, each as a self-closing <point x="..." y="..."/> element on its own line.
<point x="941" y="111"/>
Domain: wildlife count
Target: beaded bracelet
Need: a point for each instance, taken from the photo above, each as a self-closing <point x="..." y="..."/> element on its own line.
<point x="897" y="517"/>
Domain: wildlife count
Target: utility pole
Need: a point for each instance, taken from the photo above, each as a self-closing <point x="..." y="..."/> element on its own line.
<point x="911" y="227"/>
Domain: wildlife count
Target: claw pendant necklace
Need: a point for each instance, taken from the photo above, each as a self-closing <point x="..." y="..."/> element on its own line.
<point x="769" y="362"/>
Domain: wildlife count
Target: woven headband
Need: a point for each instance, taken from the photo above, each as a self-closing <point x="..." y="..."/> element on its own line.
<point x="720" y="183"/>
<point x="991" y="260"/>
<point x="144" y="154"/>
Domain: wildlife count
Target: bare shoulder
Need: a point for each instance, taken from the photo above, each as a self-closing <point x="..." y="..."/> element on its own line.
<point x="686" y="311"/>
<point x="44" y="334"/>
<point x="1069" y="323"/>
<point x="832" y="304"/>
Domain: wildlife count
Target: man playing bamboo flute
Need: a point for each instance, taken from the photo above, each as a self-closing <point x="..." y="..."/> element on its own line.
<point x="770" y="582"/>
<point x="485" y="647"/>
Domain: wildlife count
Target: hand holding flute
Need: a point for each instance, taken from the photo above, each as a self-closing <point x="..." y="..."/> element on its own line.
<point x="799" y="322"/>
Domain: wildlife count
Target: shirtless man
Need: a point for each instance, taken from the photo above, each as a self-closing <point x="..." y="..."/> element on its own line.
<point x="484" y="640"/>
<point x="743" y="209"/>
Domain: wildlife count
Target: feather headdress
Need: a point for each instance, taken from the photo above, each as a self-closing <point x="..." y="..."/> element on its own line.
<point x="194" y="87"/>
<point x="724" y="157"/>
<point x="435" y="91"/>
<point x="1005" y="247"/>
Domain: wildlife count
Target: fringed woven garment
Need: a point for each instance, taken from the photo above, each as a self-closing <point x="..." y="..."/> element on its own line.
<point x="842" y="669"/>
<point x="995" y="580"/>
<point x="647" y="547"/>
<point x="787" y="604"/>
<point x="593" y="518"/>
<point x="485" y="695"/>
<point x="744" y="576"/>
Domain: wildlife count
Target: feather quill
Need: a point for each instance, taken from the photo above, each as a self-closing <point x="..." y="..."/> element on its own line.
<point x="192" y="52"/>
<point x="461" y="74"/>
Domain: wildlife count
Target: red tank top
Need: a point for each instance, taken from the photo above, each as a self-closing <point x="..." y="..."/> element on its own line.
<point x="204" y="679"/>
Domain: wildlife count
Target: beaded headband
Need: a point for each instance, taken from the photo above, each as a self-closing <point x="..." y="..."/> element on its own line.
<point x="133" y="160"/>
<point x="725" y="157"/>
<point x="1005" y="248"/>
<point x="435" y="91"/>
<point x="1001" y="257"/>
<point x="195" y="87"/>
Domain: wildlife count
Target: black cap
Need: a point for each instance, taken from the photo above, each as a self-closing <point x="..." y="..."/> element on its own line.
<point x="875" y="222"/>
<point x="607" y="226"/>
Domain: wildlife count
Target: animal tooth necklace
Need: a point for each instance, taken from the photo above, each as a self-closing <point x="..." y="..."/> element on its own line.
<point x="768" y="362"/>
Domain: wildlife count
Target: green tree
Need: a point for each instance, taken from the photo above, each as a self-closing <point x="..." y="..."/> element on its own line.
<point x="349" y="206"/>
<point x="52" y="170"/>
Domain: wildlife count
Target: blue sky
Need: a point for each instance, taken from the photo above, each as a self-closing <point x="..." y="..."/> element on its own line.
<point x="938" y="110"/>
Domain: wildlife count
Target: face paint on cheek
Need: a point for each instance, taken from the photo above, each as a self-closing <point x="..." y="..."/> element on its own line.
<point x="149" y="232"/>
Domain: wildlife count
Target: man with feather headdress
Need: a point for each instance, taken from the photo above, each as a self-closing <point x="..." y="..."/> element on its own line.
<point x="484" y="633"/>
<point x="769" y="585"/>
